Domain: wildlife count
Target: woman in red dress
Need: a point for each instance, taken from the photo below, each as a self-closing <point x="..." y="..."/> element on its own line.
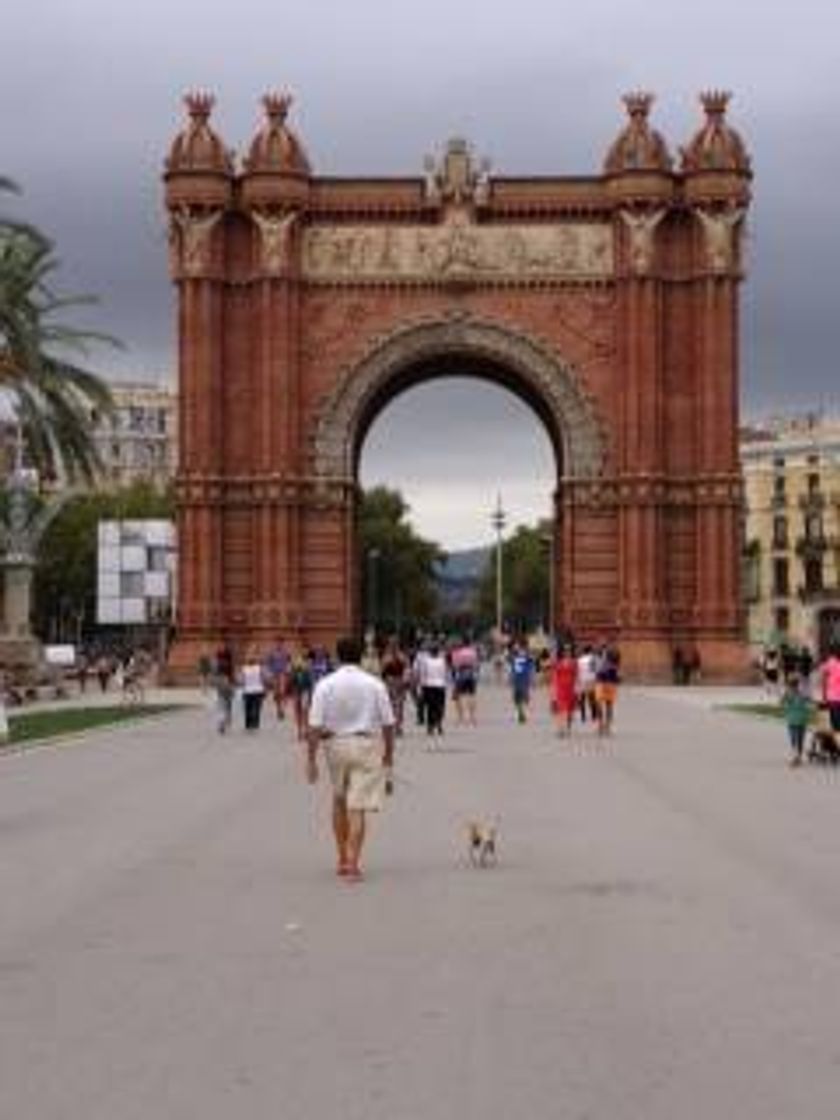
<point x="564" y="689"/>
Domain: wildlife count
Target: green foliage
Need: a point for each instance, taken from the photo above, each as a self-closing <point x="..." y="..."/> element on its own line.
<point x="397" y="566"/>
<point x="64" y="589"/>
<point x="525" y="579"/>
<point x="55" y="399"/>
<point x="31" y="726"/>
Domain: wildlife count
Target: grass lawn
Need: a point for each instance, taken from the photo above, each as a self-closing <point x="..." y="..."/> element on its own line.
<point x="771" y="711"/>
<point x="24" y="726"/>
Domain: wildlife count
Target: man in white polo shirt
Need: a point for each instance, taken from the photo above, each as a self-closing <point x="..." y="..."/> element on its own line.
<point x="349" y="712"/>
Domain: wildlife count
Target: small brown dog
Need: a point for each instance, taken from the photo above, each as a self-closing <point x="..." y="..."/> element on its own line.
<point x="483" y="843"/>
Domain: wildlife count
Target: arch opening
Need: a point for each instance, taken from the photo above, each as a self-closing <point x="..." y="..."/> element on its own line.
<point x="487" y="350"/>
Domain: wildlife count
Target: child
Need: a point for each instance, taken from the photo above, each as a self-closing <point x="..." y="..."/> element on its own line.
<point x="796" y="707"/>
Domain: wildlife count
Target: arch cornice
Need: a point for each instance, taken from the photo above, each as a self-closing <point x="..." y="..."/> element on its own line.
<point x="531" y="364"/>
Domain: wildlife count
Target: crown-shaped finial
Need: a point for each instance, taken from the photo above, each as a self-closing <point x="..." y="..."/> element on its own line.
<point x="638" y="103"/>
<point x="277" y="106"/>
<point x="199" y="105"/>
<point x="714" y="101"/>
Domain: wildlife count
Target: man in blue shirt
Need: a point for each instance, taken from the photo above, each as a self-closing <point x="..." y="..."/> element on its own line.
<point x="521" y="675"/>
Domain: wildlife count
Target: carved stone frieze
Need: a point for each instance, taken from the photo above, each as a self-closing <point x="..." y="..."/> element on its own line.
<point x="577" y="429"/>
<point x="720" y="236"/>
<point x="641" y="230"/>
<point x="647" y="490"/>
<point x="190" y="241"/>
<point x="275" y="238"/>
<point x="458" y="247"/>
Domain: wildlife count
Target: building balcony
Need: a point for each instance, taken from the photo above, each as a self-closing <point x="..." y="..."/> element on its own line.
<point x="814" y="502"/>
<point x="818" y="596"/>
<point x="812" y="546"/>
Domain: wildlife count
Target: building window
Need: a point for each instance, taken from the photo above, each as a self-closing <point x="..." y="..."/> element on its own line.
<point x="813" y="460"/>
<point x="781" y="577"/>
<point x="813" y="528"/>
<point x="780" y="532"/>
<point x="782" y="620"/>
<point x="779" y="486"/>
<point x="813" y="484"/>
<point x="813" y="575"/>
<point x="131" y="585"/>
<point x="779" y="463"/>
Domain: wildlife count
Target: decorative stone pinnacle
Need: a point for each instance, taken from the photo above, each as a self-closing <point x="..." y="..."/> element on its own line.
<point x="714" y="101"/>
<point x="199" y="105"/>
<point x="277" y="106"/>
<point x="638" y="103"/>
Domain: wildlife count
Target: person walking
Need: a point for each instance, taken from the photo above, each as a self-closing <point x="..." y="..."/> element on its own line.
<point x="299" y="687"/>
<point x="223" y="680"/>
<point x="252" y="680"/>
<point x="277" y="669"/>
<point x="587" y="665"/>
<point x="433" y="684"/>
<point x="395" y="676"/>
<point x="606" y="689"/>
<point x="521" y="678"/>
<point x="464" y="661"/>
<point x="349" y="711"/>
<point x="829" y="676"/>
<point x="796" y="707"/>
<point x="564" y="672"/>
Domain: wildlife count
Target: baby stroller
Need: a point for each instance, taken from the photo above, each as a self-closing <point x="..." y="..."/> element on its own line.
<point x="823" y="746"/>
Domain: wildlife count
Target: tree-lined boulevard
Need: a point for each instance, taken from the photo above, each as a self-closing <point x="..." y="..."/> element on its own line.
<point x="659" y="939"/>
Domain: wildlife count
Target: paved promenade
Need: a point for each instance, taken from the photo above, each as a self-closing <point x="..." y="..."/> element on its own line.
<point x="661" y="938"/>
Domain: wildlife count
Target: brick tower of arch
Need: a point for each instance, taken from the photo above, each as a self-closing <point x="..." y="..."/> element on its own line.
<point x="608" y="303"/>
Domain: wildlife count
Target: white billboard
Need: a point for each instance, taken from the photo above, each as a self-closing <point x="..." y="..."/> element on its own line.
<point x="135" y="571"/>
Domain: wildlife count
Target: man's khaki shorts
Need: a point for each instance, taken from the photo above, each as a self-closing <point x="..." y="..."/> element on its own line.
<point x="356" y="771"/>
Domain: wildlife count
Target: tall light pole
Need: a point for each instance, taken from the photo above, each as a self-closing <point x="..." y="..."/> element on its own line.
<point x="497" y="519"/>
<point x="372" y="589"/>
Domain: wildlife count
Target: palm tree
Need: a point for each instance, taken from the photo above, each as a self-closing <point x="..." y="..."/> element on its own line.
<point x="56" y="401"/>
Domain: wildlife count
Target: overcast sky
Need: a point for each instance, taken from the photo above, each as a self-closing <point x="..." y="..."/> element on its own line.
<point x="91" y="95"/>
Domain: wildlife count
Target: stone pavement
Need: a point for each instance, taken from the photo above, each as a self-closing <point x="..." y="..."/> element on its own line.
<point x="661" y="938"/>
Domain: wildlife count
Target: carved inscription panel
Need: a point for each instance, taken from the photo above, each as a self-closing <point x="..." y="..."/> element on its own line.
<point x="458" y="247"/>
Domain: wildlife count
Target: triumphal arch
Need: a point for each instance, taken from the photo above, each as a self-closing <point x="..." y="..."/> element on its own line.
<point x="608" y="302"/>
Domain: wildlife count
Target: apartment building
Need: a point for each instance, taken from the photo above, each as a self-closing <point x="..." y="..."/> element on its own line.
<point x="791" y="471"/>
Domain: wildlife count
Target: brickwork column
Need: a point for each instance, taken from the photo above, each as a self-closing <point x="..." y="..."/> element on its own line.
<point x="643" y="607"/>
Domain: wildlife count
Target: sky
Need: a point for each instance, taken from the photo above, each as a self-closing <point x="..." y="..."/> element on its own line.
<point x="91" y="94"/>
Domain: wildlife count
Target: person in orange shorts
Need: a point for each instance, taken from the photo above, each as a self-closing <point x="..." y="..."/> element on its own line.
<point x="606" y="689"/>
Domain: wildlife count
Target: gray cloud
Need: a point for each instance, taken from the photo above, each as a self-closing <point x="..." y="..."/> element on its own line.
<point x="91" y="93"/>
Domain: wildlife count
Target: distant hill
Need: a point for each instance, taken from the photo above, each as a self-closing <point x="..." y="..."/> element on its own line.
<point x="458" y="578"/>
<point x="468" y="563"/>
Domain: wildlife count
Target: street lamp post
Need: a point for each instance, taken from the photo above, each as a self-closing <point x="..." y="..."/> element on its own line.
<point x="372" y="559"/>
<point x="547" y="541"/>
<point x="498" y="519"/>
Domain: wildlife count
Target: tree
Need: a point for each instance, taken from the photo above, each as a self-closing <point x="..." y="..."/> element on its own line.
<point x="398" y="566"/>
<point x="525" y="583"/>
<point x="56" y="400"/>
<point x="65" y="578"/>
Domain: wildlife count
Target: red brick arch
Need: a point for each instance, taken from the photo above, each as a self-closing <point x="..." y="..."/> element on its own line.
<point x="609" y="303"/>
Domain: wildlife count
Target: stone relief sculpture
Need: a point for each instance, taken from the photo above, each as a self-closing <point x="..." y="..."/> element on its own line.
<point x="275" y="240"/>
<point x="458" y="247"/>
<point x="719" y="230"/>
<point x="196" y="229"/>
<point x="455" y="180"/>
<point x="641" y="227"/>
